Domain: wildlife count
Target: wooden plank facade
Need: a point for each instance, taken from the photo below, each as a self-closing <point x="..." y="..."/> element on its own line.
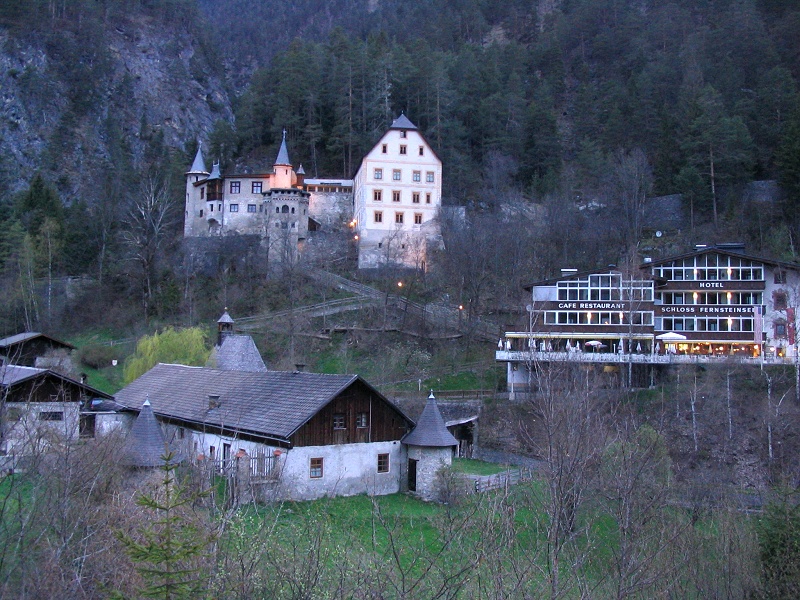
<point x="357" y="415"/>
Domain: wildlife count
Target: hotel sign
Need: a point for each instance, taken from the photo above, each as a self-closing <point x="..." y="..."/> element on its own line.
<point x="707" y="310"/>
<point x="731" y="286"/>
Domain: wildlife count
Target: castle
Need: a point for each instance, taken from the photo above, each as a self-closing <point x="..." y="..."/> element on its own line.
<point x="391" y="205"/>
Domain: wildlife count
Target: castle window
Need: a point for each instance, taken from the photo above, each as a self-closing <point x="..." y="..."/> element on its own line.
<point x="294" y="224"/>
<point x="396" y="196"/>
<point x="396" y="175"/>
<point x="417" y="218"/>
<point x="415" y="197"/>
<point x="338" y="421"/>
<point x="293" y="210"/>
<point x="285" y="209"/>
<point x="201" y="212"/>
<point x="202" y="193"/>
<point x="417" y="176"/>
<point x="234" y="208"/>
<point x="403" y="149"/>
<point x="256" y="187"/>
<point x="378" y="216"/>
<point x="251" y="208"/>
<point x="398" y="218"/>
<point x="422" y="150"/>
<point x="362" y="419"/>
<point x="377" y="195"/>
<point x="219" y="207"/>
<point x="277" y="210"/>
<point x="402" y="134"/>
<point x="429" y="176"/>
<point x="427" y="198"/>
<point x="236" y="187"/>
<point x="378" y="174"/>
<point x="383" y="463"/>
<point x="210" y="208"/>
<point x="384" y="148"/>
<point x="315" y="468"/>
<point x="260" y="208"/>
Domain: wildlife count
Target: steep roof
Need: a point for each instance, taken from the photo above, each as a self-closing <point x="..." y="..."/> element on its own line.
<point x="236" y="353"/>
<point x="430" y="430"/>
<point x="225" y="318"/>
<point x="272" y="404"/>
<point x="199" y="164"/>
<point x="283" y="153"/>
<point x="215" y="174"/>
<point x="145" y="446"/>
<point x="402" y="122"/>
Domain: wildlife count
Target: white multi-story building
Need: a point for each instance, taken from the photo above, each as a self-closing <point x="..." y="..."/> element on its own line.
<point x="397" y="192"/>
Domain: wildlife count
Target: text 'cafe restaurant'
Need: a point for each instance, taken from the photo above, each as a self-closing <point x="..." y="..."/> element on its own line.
<point x="714" y="301"/>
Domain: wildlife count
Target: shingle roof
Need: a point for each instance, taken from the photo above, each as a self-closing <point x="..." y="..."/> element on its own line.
<point x="273" y="404"/>
<point x="402" y="122"/>
<point x="145" y="445"/>
<point x="225" y="318"/>
<point x="430" y="430"/>
<point x="13" y="374"/>
<point x="236" y="353"/>
<point x="24" y="337"/>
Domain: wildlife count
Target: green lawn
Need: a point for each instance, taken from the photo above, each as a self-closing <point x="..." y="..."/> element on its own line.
<point x="471" y="466"/>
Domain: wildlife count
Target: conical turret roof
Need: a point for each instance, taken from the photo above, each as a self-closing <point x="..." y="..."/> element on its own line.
<point x="145" y="446"/>
<point x="215" y="173"/>
<point x="283" y="153"/>
<point x="430" y="430"/>
<point x="199" y="164"/>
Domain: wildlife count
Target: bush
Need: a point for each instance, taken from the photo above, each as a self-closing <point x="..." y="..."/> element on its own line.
<point x="99" y="357"/>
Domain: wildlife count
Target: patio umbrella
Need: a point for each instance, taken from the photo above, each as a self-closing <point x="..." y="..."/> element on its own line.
<point x="595" y="345"/>
<point x="671" y="336"/>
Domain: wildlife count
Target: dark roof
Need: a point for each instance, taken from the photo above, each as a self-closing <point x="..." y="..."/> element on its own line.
<point x="11" y="375"/>
<point x="31" y="335"/>
<point x="145" y="445"/>
<point x="236" y="353"/>
<point x="402" y="122"/>
<point x="283" y="153"/>
<point x="225" y="318"/>
<point x="722" y="249"/>
<point x="273" y="404"/>
<point x="199" y="164"/>
<point x="430" y="430"/>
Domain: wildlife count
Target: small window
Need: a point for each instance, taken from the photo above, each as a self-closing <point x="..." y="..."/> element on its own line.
<point x="398" y="218"/>
<point x="396" y="196"/>
<point x="236" y="187"/>
<point x="403" y="150"/>
<point x="210" y="208"/>
<point x="396" y="175"/>
<point x="422" y="150"/>
<point x="219" y="207"/>
<point x="338" y="421"/>
<point x="378" y="174"/>
<point x="383" y="463"/>
<point x="256" y="187"/>
<point x="260" y="208"/>
<point x="415" y="197"/>
<point x="202" y="193"/>
<point x="51" y="416"/>
<point x="315" y="470"/>
<point x="377" y="195"/>
<point x="417" y="176"/>
<point x="234" y="208"/>
<point x="251" y="208"/>
<point x="780" y="329"/>
<point x="362" y="419"/>
<point x="402" y="134"/>
<point x="427" y="198"/>
<point x="417" y="218"/>
<point x="385" y="148"/>
<point x="378" y="216"/>
<point x="201" y="212"/>
<point x="429" y="176"/>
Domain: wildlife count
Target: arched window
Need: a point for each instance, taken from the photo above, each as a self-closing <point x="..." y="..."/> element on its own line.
<point x="285" y="208"/>
<point x="293" y="210"/>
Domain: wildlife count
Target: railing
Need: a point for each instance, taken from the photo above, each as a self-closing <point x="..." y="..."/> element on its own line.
<point x="614" y="357"/>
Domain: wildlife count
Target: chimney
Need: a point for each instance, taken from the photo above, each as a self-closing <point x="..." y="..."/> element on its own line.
<point x="299" y="367"/>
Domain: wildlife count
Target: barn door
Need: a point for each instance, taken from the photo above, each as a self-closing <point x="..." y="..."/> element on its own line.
<point x="412" y="475"/>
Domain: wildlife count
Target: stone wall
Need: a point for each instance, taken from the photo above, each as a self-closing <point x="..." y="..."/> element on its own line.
<point x="429" y="462"/>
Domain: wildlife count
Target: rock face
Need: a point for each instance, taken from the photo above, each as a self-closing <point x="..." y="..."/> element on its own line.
<point x="75" y="104"/>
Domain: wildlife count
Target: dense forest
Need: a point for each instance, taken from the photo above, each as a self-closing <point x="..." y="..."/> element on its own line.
<point x="563" y="106"/>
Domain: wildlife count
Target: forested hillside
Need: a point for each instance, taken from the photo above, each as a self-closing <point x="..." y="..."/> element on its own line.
<point x="557" y="105"/>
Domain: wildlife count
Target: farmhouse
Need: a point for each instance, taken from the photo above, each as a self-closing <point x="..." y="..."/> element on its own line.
<point x="26" y="348"/>
<point x="309" y="435"/>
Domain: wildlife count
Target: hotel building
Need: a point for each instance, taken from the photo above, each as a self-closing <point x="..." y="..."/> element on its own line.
<point x="712" y="304"/>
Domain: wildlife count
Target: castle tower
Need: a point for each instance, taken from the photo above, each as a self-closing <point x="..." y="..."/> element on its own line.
<point x="197" y="172"/>
<point x="284" y="174"/>
<point x="430" y="447"/>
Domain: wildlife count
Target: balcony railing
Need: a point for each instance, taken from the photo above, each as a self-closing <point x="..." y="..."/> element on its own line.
<point x="649" y="359"/>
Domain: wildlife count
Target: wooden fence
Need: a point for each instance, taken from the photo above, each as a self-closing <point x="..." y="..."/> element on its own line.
<point x="504" y="480"/>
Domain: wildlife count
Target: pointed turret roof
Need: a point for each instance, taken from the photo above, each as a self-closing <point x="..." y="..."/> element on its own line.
<point x="225" y="318"/>
<point x="199" y="164"/>
<point x="402" y="122"/>
<point x="145" y="446"/>
<point x="283" y="153"/>
<point x="215" y="174"/>
<point x="430" y="430"/>
<point x="301" y="170"/>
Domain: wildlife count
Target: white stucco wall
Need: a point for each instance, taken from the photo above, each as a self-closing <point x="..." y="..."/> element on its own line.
<point x="26" y="432"/>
